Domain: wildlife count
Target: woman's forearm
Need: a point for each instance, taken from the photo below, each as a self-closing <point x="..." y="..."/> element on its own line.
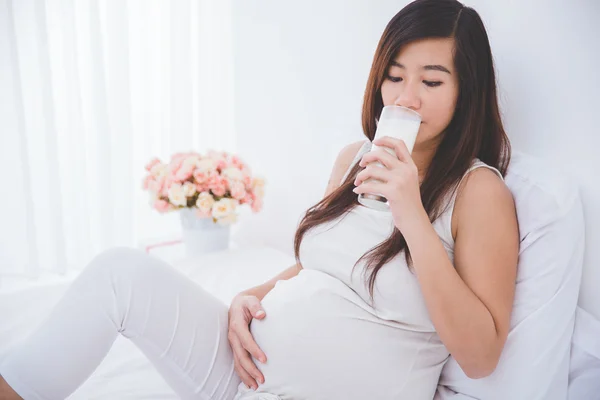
<point x="261" y="291"/>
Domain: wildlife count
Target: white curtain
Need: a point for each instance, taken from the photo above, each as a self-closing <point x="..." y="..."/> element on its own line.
<point x="90" y="90"/>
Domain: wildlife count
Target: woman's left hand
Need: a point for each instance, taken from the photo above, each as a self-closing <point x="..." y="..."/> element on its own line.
<point x="398" y="180"/>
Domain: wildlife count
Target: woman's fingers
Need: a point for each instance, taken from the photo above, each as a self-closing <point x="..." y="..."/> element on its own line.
<point x="371" y="187"/>
<point x="248" y="365"/>
<point x="240" y="338"/>
<point x="372" y="172"/>
<point x="245" y="337"/>
<point x="255" y="308"/>
<point x="383" y="156"/>
<point x="244" y="376"/>
<point x="397" y="146"/>
<point x="244" y="360"/>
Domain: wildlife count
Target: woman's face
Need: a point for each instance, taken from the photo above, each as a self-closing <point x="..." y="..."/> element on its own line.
<point x="422" y="77"/>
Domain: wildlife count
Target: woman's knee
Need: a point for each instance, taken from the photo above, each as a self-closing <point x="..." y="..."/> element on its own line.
<point x="119" y="260"/>
<point x="124" y="269"/>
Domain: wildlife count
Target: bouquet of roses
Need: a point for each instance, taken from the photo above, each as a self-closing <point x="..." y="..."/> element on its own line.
<point x="214" y="184"/>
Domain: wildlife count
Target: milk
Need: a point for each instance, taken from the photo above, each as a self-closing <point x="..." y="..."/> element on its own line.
<point x="396" y="122"/>
<point x="400" y="129"/>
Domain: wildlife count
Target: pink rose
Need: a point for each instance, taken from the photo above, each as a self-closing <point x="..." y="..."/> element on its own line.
<point x="152" y="163"/>
<point x="184" y="172"/>
<point x="155" y="186"/>
<point x="227" y="182"/>
<point x="247" y="179"/>
<point x="238" y="191"/>
<point x="146" y="182"/>
<point x="166" y="186"/>
<point x="219" y="190"/>
<point x="257" y="205"/>
<point x="221" y="164"/>
<point x="215" y="180"/>
<point x="237" y="162"/>
<point x="161" y="205"/>
<point x="201" y="188"/>
<point x="200" y="176"/>
<point x="175" y="164"/>
<point x="247" y="199"/>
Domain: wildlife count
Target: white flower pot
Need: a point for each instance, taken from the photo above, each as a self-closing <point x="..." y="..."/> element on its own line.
<point x="202" y="235"/>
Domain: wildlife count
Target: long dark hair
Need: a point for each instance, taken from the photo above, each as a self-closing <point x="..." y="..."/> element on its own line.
<point x="475" y="129"/>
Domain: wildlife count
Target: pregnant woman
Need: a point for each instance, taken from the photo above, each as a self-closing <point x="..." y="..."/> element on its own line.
<point x="377" y="301"/>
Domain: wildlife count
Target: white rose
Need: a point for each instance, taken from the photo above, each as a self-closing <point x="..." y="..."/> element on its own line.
<point x="259" y="192"/>
<point x="258" y="182"/>
<point x="205" y="202"/>
<point x="190" y="161"/>
<point x="224" y="207"/>
<point x="189" y="189"/>
<point x="258" y="186"/>
<point x="176" y="195"/>
<point x="235" y="174"/>
<point x="159" y="171"/>
<point x="206" y="165"/>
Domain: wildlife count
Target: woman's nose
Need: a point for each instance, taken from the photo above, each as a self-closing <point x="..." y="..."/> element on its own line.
<point x="408" y="98"/>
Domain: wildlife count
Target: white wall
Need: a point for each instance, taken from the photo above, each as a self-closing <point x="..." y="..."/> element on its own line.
<point x="301" y="69"/>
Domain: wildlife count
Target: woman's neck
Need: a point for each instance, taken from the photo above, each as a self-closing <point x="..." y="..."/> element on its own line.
<point x="422" y="155"/>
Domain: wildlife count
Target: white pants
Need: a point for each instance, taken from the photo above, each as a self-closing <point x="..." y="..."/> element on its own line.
<point x="180" y="327"/>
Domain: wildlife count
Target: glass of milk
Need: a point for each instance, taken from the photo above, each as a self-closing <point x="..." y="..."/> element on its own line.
<point x="397" y="122"/>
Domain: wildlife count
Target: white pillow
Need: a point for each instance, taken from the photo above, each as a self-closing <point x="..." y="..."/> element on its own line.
<point x="584" y="371"/>
<point x="535" y="360"/>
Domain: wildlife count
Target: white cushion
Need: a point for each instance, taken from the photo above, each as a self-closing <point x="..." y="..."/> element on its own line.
<point x="585" y="357"/>
<point x="535" y="361"/>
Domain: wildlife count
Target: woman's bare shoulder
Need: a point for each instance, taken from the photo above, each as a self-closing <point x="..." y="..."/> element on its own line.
<point x="342" y="163"/>
<point x="482" y="191"/>
<point x="349" y="151"/>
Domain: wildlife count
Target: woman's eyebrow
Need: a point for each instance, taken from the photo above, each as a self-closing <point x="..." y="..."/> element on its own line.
<point x="426" y="67"/>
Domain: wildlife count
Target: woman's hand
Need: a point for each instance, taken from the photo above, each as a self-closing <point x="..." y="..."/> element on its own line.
<point x="398" y="180"/>
<point x="243" y="308"/>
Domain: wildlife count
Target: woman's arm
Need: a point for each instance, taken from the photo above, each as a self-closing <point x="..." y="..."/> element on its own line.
<point x="261" y="291"/>
<point x="340" y="166"/>
<point x="470" y="302"/>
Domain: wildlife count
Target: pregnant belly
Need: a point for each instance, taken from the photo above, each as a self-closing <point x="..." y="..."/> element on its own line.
<point x="321" y="344"/>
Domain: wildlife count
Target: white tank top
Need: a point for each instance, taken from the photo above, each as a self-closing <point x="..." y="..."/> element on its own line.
<point x="326" y="339"/>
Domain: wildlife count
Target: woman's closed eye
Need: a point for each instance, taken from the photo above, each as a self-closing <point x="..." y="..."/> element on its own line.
<point x="432" y="83"/>
<point x="428" y="83"/>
